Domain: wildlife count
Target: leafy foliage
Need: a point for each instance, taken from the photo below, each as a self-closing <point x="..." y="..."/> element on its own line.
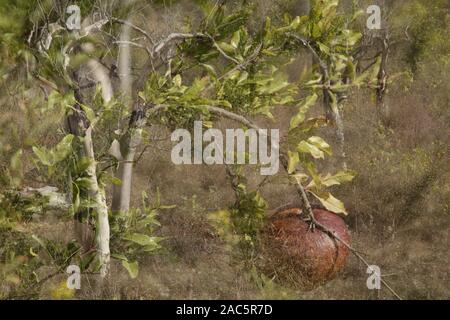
<point x="133" y="233"/>
<point x="241" y="224"/>
<point x="226" y="62"/>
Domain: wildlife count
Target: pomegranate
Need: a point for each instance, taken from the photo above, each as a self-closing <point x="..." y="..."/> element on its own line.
<point x="300" y="257"/>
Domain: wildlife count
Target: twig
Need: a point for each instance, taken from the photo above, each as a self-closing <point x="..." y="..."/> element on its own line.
<point x="223" y="53"/>
<point x="242" y="65"/>
<point x="357" y="254"/>
<point x="176" y="36"/>
<point x="306" y="43"/>
<point x="136" y="28"/>
<point x="134" y="44"/>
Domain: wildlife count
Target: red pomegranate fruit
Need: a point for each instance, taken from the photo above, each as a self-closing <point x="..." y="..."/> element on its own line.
<point x="299" y="257"/>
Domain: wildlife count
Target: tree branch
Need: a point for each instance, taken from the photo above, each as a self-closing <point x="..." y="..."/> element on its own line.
<point x="307" y="44"/>
<point x="175" y="36"/>
<point x="134" y="27"/>
<point x="134" y="44"/>
<point x="223" y="53"/>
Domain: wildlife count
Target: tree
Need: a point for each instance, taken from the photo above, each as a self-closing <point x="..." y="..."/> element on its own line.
<point x="222" y="67"/>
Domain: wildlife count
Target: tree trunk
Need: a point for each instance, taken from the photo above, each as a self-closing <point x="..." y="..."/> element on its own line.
<point x="97" y="195"/>
<point x="131" y="142"/>
<point x="338" y="118"/>
<point x="382" y="107"/>
<point x="122" y="192"/>
<point x="95" y="192"/>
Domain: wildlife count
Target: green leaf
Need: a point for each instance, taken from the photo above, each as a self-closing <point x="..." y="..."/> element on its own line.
<point x="90" y="114"/>
<point x="116" y="181"/>
<point x="177" y="80"/>
<point x="311" y="167"/>
<point x="331" y="203"/>
<point x="224" y="103"/>
<point x="303" y="109"/>
<point x="323" y="48"/>
<point x="63" y="149"/>
<point x="32" y="253"/>
<point x="295" y="23"/>
<point x="328" y="6"/>
<point x="333" y="103"/>
<point x="243" y="77"/>
<point x="320" y="143"/>
<point x="82" y="165"/>
<point x="273" y="87"/>
<point x="194" y="90"/>
<point x="132" y="268"/>
<point x="306" y="147"/>
<point x="45" y="156"/>
<point x="352" y="37"/>
<point x="226" y="47"/>
<point x="54" y="98"/>
<point x="221" y="221"/>
<point x="83" y="182"/>
<point x="143" y="239"/>
<point x="332" y="180"/>
<point x="210" y="69"/>
<point x="119" y="256"/>
<point x="293" y="160"/>
<point x="338" y="178"/>
<point x="370" y="75"/>
<point x="236" y="39"/>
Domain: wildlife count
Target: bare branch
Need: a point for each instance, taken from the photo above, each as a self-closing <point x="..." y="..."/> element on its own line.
<point x="307" y="44"/>
<point x="134" y="27"/>
<point x="176" y="36"/>
<point x="93" y="27"/>
<point x="55" y="199"/>
<point x="134" y="44"/>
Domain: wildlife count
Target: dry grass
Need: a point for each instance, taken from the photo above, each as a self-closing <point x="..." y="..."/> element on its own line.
<point x="398" y="215"/>
<point x="398" y="204"/>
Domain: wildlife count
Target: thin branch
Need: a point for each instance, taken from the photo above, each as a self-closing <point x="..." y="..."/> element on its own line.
<point x="95" y="26"/>
<point x="307" y="44"/>
<point x="134" y="27"/>
<point x="240" y="66"/>
<point x="223" y="53"/>
<point x="357" y="254"/>
<point x="176" y="36"/>
<point x="134" y="44"/>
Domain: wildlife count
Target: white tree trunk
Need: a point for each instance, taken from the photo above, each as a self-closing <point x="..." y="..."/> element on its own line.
<point x="96" y="192"/>
<point x="124" y="67"/>
<point x="97" y="195"/>
<point x="122" y="193"/>
<point x="131" y="142"/>
<point x="101" y="75"/>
